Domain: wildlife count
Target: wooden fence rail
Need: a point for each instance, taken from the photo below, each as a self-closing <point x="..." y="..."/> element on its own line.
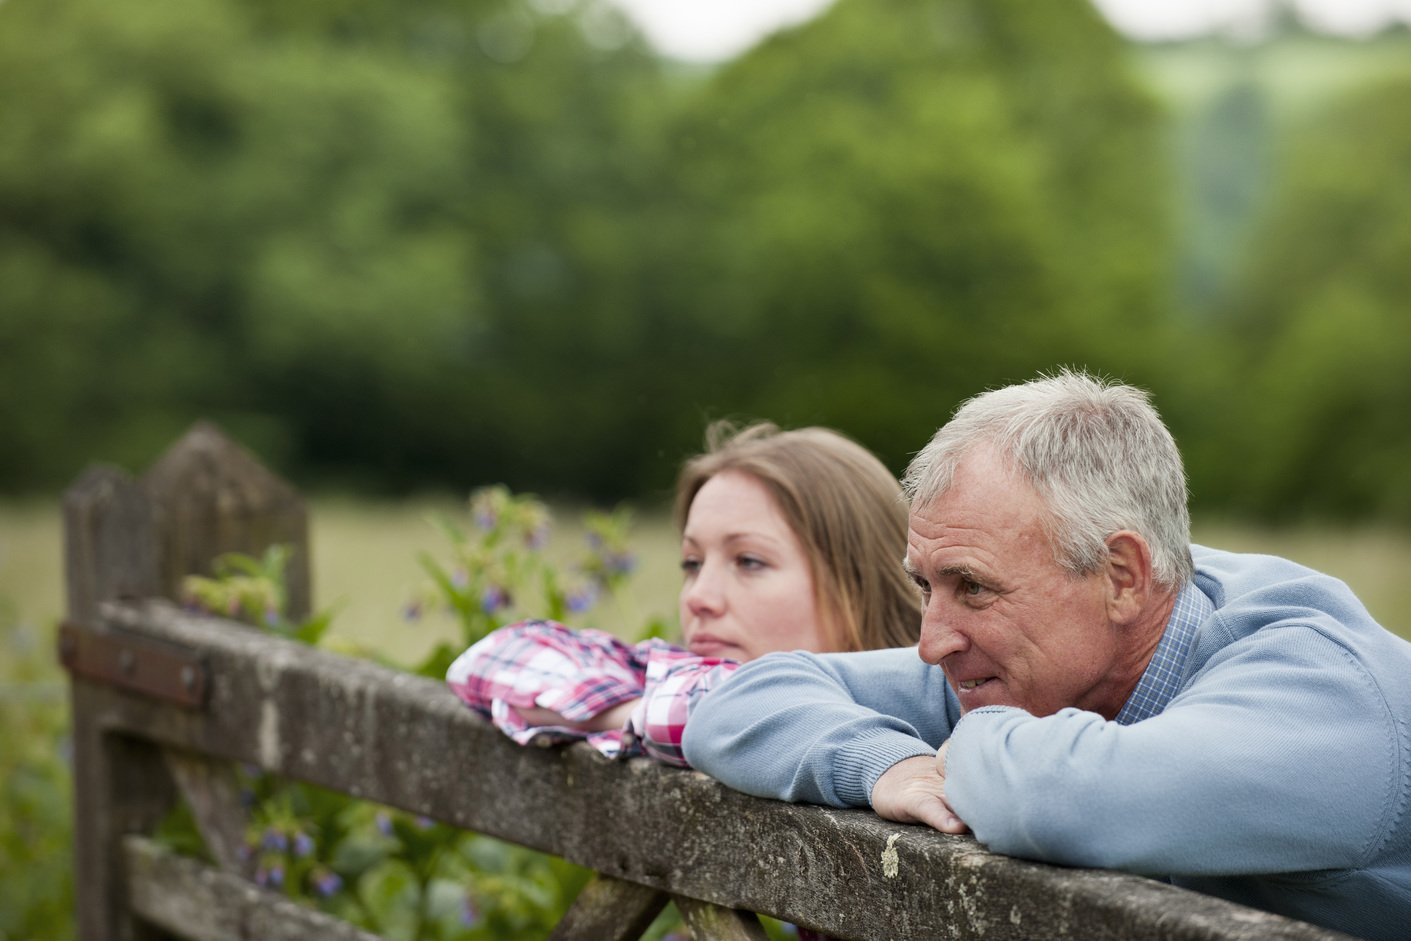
<point x="167" y="703"/>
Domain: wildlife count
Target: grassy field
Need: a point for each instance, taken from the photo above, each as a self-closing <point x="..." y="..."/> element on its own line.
<point x="365" y="564"/>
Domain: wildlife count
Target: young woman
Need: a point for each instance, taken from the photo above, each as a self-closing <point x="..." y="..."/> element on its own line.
<point x="790" y="540"/>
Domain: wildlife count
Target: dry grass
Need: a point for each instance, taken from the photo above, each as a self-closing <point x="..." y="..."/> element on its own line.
<point x="365" y="563"/>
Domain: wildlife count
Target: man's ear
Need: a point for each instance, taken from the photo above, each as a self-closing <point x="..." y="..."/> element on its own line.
<point x="1129" y="582"/>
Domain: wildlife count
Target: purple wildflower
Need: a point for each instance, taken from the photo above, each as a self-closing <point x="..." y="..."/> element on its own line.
<point x="486" y="518"/>
<point x="412" y="611"/>
<point x="271" y="617"/>
<point x="276" y="875"/>
<point x="620" y="563"/>
<point x="582" y="599"/>
<point x="470" y="913"/>
<point x="493" y="599"/>
<point x="460" y="577"/>
<point x="275" y="839"/>
<point x="303" y="844"/>
<point x="327" y="882"/>
<point x="424" y="823"/>
<point x="384" y="823"/>
<point x="537" y="538"/>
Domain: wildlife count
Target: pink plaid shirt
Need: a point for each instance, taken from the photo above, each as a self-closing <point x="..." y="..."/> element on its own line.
<point x="579" y="674"/>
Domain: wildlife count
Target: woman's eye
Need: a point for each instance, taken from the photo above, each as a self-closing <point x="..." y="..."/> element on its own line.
<point x="750" y="563"/>
<point x="690" y="566"/>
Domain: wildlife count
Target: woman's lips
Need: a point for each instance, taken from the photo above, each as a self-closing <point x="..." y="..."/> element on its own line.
<point x="706" y="645"/>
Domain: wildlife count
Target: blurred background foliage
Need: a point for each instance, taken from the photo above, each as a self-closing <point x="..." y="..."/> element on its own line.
<point x="430" y="244"/>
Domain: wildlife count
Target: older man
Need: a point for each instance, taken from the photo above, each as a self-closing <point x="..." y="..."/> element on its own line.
<point x="1101" y="692"/>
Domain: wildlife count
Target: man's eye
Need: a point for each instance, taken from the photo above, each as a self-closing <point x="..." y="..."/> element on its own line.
<point x="971" y="588"/>
<point x="923" y="585"/>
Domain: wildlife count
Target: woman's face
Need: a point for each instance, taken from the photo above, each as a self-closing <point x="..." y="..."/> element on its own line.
<point x="748" y="586"/>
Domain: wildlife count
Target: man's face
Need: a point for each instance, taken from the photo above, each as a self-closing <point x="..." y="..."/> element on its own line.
<point x="1005" y="622"/>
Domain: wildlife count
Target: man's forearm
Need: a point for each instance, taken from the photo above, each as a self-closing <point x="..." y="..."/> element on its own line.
<point x="808" y="728"/>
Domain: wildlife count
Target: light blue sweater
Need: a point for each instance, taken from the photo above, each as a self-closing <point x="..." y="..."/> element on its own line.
<point x="1278" y="775"/>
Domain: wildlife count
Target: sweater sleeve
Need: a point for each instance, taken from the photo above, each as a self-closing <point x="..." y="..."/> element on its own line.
<point x="819" y="728"/>
<point x="1281" y="755"/>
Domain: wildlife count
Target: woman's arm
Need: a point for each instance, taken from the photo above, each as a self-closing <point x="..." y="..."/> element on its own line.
<point x="675" y="681"/>
<point x="538" y="677"/>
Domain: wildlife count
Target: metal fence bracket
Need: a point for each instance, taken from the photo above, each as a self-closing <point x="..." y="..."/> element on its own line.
<point x="135" y="664"/>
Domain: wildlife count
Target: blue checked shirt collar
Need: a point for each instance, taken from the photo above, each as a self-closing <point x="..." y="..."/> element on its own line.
<point x="1167" y="670"/>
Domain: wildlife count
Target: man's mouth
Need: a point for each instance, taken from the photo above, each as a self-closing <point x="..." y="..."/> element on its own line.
<point x="968" y="685"/>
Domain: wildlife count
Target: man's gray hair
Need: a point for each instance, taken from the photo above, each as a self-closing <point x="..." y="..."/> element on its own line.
<point x="1096" y="452"/>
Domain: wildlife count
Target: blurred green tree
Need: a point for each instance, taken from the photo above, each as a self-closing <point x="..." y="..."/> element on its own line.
<point x="901" y="203"/>
<point x="325" y="225"/>
<point x="1320" y="324"/>
<point x="457" y="241"/>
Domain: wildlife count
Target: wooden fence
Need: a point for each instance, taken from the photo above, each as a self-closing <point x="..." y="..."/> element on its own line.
<point x="166" y="704"/>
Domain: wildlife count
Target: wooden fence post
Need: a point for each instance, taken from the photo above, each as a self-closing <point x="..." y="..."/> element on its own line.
<point x="120" y="784"/>
<point x="211" y="496"/>
<point x="127" y="539"/>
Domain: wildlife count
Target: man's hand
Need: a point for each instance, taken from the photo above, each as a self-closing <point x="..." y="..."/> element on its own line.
<point x="914" y="791"/>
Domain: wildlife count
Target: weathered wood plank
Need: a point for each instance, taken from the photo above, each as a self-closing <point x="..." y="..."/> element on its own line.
<point x="714" y="923"/>
<point x="408" y="742"/>
<point x="204" y="904"/>
<point x="610" y="909"/>
<point x="120" y="786"/>
<point x="119" y="783"/>
<point x="109" y="543"/>
<point x="212" y="793"/>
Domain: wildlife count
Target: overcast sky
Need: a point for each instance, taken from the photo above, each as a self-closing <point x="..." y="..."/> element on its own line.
<point x="711" y="30"/>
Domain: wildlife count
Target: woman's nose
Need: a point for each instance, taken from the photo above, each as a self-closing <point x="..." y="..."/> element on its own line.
<point x="703" y="594"/>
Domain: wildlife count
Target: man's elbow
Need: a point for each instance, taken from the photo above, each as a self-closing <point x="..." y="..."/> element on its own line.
<point x="701" y="744"/>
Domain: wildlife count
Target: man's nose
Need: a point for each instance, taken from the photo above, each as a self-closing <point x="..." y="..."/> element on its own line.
<point x="939" y="635"/>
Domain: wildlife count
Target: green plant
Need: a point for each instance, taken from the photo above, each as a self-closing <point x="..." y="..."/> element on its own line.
<point x="253" y="591"/>
<point x="36" y="824"/>
<point x="497" y="570"/>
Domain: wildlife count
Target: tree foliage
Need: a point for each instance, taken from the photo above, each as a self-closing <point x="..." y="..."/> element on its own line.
<point x="450" y="242"/>
<point x="1320" y="321"/>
